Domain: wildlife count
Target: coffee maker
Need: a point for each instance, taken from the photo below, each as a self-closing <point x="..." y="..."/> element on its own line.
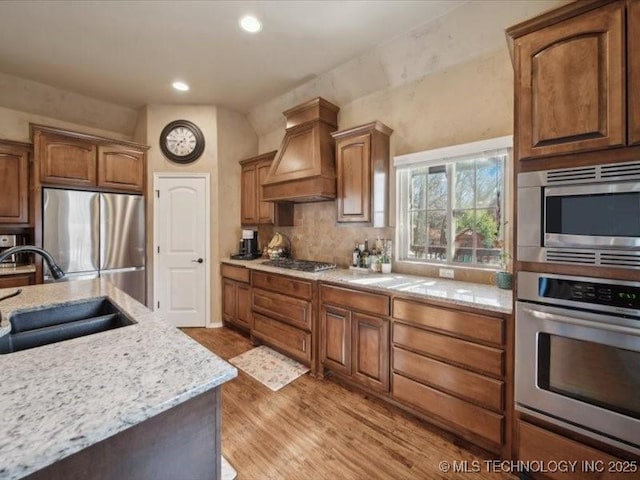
<point x="249" y="248"/>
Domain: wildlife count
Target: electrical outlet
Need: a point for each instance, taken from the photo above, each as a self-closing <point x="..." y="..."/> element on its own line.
<point x="446" y="272"/>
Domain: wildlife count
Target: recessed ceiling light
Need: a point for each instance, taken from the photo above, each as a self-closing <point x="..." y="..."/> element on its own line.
<point x="250" y="24"/>
<point x="183" y="87"/>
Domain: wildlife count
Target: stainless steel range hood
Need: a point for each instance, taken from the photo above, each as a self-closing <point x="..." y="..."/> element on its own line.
<point x="304" y="169"/>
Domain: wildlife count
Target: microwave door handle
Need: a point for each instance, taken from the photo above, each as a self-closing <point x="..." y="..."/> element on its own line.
<point x="582" y="323"/>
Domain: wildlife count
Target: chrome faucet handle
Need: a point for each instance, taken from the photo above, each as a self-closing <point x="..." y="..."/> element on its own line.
<point x="11" y="295"/>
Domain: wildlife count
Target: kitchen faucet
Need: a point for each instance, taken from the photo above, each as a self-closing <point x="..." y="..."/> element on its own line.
<point x="56" y="272"/>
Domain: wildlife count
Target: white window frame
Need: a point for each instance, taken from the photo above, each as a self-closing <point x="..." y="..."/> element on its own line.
<point x="440" y="156"/>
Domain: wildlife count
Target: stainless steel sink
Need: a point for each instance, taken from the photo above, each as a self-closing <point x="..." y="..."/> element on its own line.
<point x="42" y="326"/>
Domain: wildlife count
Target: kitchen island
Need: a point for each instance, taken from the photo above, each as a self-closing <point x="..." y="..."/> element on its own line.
<point x="141" y="401"/>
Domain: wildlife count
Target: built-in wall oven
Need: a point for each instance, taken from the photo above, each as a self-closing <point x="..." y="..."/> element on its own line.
<point x="585" y="215"/>
<point x="578" y="355"/>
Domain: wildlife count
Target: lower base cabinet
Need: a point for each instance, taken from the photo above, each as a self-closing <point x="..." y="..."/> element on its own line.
<point x="17" y="280"/>
<point x="236" y="297"/>
<point x="283" y="315"/>
<point x="535" y="444"/>
<point x="354" y="345"/>
<point x="449" y="366"/>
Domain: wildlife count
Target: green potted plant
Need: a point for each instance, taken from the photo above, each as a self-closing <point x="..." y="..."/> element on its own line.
<point x="504" y="278"/>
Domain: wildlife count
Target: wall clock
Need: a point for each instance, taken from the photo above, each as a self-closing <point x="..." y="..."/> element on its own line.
<point x="182" y="141"/>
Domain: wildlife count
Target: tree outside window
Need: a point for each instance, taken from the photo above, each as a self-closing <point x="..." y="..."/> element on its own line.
<point x="452" y="212"/>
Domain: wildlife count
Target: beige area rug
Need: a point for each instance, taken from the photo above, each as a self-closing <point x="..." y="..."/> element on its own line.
<point x="269" y="367"/>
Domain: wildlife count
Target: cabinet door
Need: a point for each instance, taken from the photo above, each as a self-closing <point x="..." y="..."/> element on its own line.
<point x="14" y="185"/>
<point x="633" y="58"/>
<point x="66" y="161"/>
<point x="229" y="299"/>
<point x="249" y="195"/>
<point x="243" y="306"/>
<point x="353" y="161"/>
<point x="336" y="339"/>
<point x="570" y="86"/>
<point x="121" y="168"/>
<point x="265" y="209"/>
<point x="371" y="351"/>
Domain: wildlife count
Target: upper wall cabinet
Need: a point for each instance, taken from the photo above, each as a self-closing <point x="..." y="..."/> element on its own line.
<point x="362" y="163"/>
<point x="77" y="160"/>
<point x="14" y="182"/>
<point x="254" y="210"/>
<point x="570" y="85"/>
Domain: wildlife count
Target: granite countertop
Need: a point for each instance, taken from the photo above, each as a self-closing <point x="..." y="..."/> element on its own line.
<point x="17" y="270"/>
<point x="477" y="295"/>
<point x="60" y="398"/>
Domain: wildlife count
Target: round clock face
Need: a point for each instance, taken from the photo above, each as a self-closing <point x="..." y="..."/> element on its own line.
<point x="182" y="141"/>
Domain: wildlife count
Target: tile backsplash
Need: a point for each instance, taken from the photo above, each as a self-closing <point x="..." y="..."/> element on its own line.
<point x="316" y="235"/>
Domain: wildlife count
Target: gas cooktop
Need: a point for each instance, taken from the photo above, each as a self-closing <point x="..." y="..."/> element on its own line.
<point x="301" y="265"/>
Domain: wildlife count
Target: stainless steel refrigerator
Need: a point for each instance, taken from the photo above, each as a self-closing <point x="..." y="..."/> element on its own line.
<point x="93" y="235"/>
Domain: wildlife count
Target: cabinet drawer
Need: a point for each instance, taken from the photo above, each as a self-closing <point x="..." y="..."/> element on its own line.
<point x="282" y="307"/>
<point x="355" y="300"/>
<point x="468" y="417"/>
<point x="539" y="445"/>
<point x="240" y="274"/>
<point x="471" y="355"/>
<point x="17" y="280"/>
<point x="292" y="340"/>
<point x="282" y="284"/>
<point x="470" y="325"/>
<point x="457" y="381"/>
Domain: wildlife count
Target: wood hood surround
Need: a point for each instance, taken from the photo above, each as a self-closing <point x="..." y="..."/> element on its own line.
<point x="305" y="169"/>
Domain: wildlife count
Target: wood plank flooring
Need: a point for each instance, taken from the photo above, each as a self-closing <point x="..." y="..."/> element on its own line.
<point x="317" y="429"/>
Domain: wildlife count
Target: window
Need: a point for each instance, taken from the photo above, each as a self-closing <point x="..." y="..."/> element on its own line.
<point x="451" y="204"/>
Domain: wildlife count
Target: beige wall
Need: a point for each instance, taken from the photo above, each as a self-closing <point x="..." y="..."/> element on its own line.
<point x="14" y="125"/>
<point x="46" y="101"/>
<point x="229" y="138"/>
<point x="465" y="103"/>
<point x="236" y="141"/>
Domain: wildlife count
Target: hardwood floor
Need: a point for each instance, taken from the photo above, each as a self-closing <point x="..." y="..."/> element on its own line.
<point x="321" y="430"/>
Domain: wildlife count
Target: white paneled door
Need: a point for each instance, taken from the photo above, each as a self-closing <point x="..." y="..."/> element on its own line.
<point x="182" y="266"/>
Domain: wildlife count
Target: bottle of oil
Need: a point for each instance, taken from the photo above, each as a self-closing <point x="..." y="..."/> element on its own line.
<point x="355" y="258"/>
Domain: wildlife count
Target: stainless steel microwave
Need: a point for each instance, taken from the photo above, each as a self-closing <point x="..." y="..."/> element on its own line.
<point x="584" y="215"/>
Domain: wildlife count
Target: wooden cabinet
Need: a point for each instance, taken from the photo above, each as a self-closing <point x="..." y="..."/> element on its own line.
<point x="76" y="160"/>
<point x="633" y="70"/>
<point x="536" y="444"/>
<point x="236" y="297"/>
<point x="17" y="280"/>
<point x="66" y="160"/>
<point x="352" y="343"/>
<point x="121" y="168"/>
<point x="283" y="316"/>
<point x="14" y="182"/>
<point x="450" y="366"/>
<point x="570" y="83"/>
<point x="362" y="163"/>
<point x="254" y="210"/>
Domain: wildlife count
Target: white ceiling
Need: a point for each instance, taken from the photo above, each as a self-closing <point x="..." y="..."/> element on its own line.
<point x="129" y="52"/>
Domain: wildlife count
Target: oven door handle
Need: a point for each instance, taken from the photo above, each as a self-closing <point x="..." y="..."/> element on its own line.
<point x="582" y="323"/>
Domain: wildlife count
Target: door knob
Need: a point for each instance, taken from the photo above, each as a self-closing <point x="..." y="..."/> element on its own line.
<point x="200" y="260"/>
